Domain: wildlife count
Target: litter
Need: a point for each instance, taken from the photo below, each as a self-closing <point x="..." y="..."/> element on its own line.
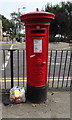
<point x="17" y="94"/>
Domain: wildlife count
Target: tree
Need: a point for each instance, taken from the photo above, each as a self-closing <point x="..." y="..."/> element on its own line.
<point x="16" y="20"/>
<point x="14" y="17"/>
<point x="7" y="24"/>
<point x="63" y="18"/>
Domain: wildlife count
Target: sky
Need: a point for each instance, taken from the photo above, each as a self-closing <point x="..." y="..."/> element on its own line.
<point x="9" y="6"/>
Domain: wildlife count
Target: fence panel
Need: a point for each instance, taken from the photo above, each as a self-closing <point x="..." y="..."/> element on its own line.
<point x="14" y="69"/>
<point x="59" y="75"/>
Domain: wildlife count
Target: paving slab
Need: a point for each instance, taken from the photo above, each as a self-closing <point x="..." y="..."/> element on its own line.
<point x="57" y="105"/>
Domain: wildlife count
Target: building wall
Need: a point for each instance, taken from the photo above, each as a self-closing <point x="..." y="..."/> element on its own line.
<point x="0" y="30"/>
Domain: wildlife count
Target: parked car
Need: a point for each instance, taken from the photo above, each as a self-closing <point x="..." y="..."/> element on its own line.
<point x="59" y="36"/>
<point x="21" y="39"/>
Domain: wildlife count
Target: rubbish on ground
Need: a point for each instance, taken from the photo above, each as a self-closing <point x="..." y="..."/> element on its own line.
<point x="34" y="105"/>
<point x="17" y="94"/>
<point x="52" y="93"/>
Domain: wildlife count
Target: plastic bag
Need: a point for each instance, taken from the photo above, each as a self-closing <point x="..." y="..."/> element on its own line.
<point x="17" y="94"/>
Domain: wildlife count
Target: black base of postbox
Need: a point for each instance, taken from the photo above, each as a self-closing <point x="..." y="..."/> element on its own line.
<point x="37" y="94"/>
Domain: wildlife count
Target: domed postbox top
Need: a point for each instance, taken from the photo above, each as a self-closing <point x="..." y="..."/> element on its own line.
<point x="37" y="17"/>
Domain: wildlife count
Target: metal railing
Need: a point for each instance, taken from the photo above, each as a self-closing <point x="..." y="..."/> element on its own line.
<point x="14" y="69"/>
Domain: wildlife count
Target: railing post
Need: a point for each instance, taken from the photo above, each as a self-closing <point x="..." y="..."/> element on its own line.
<point x="4" y="68"/>
<point x="11" y="63"/>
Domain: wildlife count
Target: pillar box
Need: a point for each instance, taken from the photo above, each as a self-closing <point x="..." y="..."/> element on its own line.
<point x="37" y="39"/>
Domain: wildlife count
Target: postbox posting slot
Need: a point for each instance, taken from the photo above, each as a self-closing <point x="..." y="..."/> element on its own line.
<point x="37" y="31"/>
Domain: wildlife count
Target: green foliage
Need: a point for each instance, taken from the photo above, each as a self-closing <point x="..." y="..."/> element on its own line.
<point x="7" y="24"/>
<point x="63" y="18"/>
<point x="21" y="35"/>
<point x="15" y="18"/>
<point x="52" y="38"/>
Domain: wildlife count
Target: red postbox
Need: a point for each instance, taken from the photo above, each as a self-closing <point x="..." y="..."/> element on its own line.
<point x="37" y="40"/>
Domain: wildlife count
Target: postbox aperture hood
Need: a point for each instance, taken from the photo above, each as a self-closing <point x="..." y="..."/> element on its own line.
<point x="37" y="15"/>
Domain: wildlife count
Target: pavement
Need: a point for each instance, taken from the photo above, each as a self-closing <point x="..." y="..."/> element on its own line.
<point x="57" y="105"/>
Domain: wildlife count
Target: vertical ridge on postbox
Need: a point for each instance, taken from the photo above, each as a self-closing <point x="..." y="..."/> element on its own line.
<point x="37" y="40"/>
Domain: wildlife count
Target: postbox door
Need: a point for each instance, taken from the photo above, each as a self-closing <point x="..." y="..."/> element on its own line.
<point x="37" y="57"/>
<point x="37" y="71"/>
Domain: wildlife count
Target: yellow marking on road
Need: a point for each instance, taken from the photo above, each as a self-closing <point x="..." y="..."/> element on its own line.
<point x="60" y="77"/>
<point x="25" y="79"/>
